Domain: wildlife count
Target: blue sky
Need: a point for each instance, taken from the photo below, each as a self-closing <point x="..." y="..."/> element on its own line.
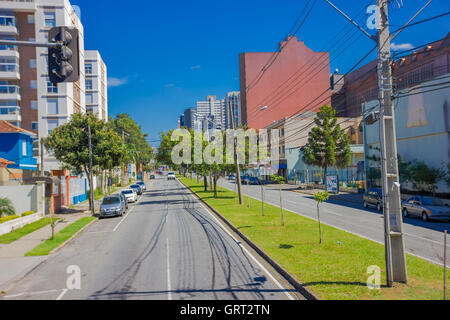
<point x="163" y="56"/>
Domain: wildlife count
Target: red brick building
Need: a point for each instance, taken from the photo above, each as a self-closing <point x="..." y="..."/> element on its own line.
<point x="284" y="82"/>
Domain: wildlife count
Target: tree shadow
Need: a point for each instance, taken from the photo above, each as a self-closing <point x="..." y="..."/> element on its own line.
<point x="285" y="246"/>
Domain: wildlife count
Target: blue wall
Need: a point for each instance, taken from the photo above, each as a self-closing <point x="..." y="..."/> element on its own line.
<point x="11" y="149"/>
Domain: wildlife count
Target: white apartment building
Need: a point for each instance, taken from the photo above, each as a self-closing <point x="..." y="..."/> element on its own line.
<point x="27" y="98"/>
<point x="211" y="113"/>
<point x="96" y="84"/>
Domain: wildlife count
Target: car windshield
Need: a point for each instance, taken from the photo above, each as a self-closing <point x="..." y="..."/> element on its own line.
<point x="432" y="202"/>
<point x="135" y="186"/>
<point x="127" y="192"/>
<point x="112" y="200"/>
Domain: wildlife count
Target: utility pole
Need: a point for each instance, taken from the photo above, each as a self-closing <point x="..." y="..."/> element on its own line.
<point x="394" y="242"/>
<point x="236" y="158"/>
<point x="42" y="157"/>
<point x="396" y="270"/>
<point x="91" y="177"/>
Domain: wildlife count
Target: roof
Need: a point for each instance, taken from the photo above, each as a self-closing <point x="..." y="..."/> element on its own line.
<point x="4" y="163"/>
<point x="7" y="127"/>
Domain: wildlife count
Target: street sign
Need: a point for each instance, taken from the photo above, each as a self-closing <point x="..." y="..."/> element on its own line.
<point x="333" y="184"/>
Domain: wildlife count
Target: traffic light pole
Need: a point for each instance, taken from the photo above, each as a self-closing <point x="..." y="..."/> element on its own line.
<point x="30" y="44"/>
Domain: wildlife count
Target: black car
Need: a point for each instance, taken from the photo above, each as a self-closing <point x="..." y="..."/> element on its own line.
<point x="373" y="198"/>
<point x="138" y="188"/>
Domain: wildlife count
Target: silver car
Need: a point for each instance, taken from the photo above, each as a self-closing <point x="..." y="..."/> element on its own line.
<point x="426" y="208"/>
<point x="114" y="205"/>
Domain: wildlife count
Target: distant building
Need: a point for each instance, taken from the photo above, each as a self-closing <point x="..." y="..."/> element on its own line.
<point x="190" y="118"/>
<point x="213" y="112"/>
<point x="360" y="86"/>
<point x="182" y="123"/>
<point x="285" y="82"/>
<point x="233" y="99"/>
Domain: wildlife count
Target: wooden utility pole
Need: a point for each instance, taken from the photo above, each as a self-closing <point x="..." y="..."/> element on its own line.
<point x="91" y="176"/>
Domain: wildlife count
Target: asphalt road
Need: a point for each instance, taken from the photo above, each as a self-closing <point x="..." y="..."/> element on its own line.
<point x="423" y="239"/>
<point x="168" y="246"/>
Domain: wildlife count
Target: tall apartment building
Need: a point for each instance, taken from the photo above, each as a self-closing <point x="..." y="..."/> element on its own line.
<point x="212" y="112"/>
<point x="190" y="118"/>
<point x="27" y="98"/>
<point x="96" y="84"/>
<point x="233" y="98"/>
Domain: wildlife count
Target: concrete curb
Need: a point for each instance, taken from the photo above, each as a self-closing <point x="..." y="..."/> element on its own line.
<point x="340" y="200"/>
<point x="308" y="294"/>
<point x="76" y="235"/>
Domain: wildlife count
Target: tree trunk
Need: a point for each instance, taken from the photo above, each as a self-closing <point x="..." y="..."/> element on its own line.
<point x="318" y="219"/>
<point x="91" y="191"/>
<point x="215" y="186"/>
<point x="205" y="181"/>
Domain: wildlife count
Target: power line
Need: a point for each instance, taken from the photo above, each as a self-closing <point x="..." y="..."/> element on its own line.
<point x="423" y="21"/>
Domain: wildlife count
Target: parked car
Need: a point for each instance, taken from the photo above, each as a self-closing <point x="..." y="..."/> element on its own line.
<point x="373" y="198"/>
<point x="137" y="188"/>
<point x="114" y="205"/>
<point x="130" y="195"/>
<point x="231" y="177"/>
<point x="171" y="176"/>
<point x="253" y="181"/>
<point x="143" y="186"/>
<point x="426" y="208"/>
<point x="152" y="177"/>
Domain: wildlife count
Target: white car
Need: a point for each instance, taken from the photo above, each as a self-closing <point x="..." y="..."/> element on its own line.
<point x="171" y="176"/>
<point x="130" y="195"/>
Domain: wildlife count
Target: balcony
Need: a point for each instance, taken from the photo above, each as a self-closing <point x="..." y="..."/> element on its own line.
<point x="11" y="114"/>
<point x="9" y="51"/>
<point x="18" y="5"/>
<point x="9" y="71"/>
<point x="8" y="25"/>
<point x="10" y="92"/>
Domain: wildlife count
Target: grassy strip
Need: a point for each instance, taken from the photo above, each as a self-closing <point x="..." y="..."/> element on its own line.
<point x="335" y="270"/>
<point x="49" y="245"/>
<point x="22" y="232"/>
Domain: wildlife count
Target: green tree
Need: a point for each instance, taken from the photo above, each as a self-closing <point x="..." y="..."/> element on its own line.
<point x="137" y="147"/>
<point x="69" y="144"/>
<point x="327" y="145"/>
<point x="320" y="197"/>
<point x="6" y="208"/>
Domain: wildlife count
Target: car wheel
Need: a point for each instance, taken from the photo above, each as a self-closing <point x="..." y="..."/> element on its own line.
<point x="365" y="205"/>
<point x="425" y="217"/>
<point x="405" y="213"/>
<point x="379" y="207"/>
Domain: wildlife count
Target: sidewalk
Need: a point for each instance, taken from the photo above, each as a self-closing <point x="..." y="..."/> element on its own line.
<point x="14" y="263"/>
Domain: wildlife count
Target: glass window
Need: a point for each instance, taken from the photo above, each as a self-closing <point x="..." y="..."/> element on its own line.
<point x="50" y="19"/>
<point x="34" y="126"/>
<point x="24" y="148"/>
<point x="52" y="106"/>
<point x="33" y="105"/>
<point x="52" y="124"/>
<point x="52" y="88"/>
<point x="88" y="84"/>
<point x="89" y="98"/>
<point x="88" y="68"/>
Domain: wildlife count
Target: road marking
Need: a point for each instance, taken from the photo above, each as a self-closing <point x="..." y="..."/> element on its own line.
<point x="31" y="293"/>
<point x="169" y="286"/>
<point x="275" y="281"/>
<point x="62" y="294"/>
<point x="126" y="215"/>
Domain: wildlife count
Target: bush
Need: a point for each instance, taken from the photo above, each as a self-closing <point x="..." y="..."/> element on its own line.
<point x="8" y="218"/>
<point x="28" y="213"/>
<point x="6" y="208"/>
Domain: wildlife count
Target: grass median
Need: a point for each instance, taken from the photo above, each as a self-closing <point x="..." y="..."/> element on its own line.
<point x="335" y="269"/>
<point x="22" y="232"/>
<point x="61" y="237"/>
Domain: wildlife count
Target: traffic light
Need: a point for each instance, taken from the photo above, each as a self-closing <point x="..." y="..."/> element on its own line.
<point x="64" y="60"/>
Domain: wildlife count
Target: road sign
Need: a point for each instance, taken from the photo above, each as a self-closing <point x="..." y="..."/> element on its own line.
<point x="333" y="184"/>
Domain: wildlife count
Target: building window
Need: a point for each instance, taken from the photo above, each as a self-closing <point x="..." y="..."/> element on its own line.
<point x="88" y="68"/>
<point x="52" y="107"/>
<point x="52" y="125"/>
<point x="33" y="84"/>
<point x="34" y="126"/>
<point x="33" y="63"/>
<point x="31" y="18"/>
<point x="50" y="19"/>
<point x="33" y="105"/>
<point x="89" y="98"/>
<point x="52" y="88"/>
<point x="24" y="148"/>
<point x="88" y="84"/>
